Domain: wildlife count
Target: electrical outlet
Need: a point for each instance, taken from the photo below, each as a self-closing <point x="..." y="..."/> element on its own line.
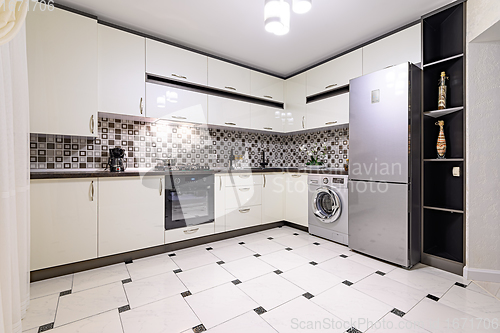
<point x="212" y="156"/>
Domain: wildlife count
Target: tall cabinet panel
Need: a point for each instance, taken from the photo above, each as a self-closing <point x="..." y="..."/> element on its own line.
<point x="294" y="114"/>
<point x="62" y="68"/>
<point x="121" y="61"/>
<point x="63" y="221"/>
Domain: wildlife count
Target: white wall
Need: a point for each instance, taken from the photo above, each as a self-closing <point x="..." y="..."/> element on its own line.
<point x="483" y="143"/>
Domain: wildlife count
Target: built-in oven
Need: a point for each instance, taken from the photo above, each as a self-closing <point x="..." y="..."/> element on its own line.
<point x="189" y="200"/>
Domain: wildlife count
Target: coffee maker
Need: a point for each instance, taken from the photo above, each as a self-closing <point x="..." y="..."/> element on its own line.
<point x="116" y="161"/>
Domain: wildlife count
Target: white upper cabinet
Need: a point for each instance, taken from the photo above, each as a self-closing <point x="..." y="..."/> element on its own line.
<point x="121" y="61"/>
<point x="175" y="63"/>
<point x="62" y="70"/>
<point x="294" y="114"/>
<point x="166" y="102"/>
<point x="266" y="86"/>
<point x="265" y="118"/>
<point x="225" y="76"/>
<point x="228" y="112"/>
<point x="328" y="112"/>
<point x="404" y="46"/>
<point x="335" y="73"/>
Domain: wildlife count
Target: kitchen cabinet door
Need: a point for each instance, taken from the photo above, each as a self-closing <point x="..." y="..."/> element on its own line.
<point x="265" y="118"/>
<point x="294" y="114"/>
<point x="62" y="70"/>
<point x="131" y="214"/>
<point x="266" y="86"/>
<point x="166" y="102"/>
<point x="175" y="63"/>
<point x="328" y="112"/>
<point x="404" y="46"/>
<point x="121" y="69"/>
<point x="228" y="112"/>
<point x="273" y="198"/>
<point x="335" y="73"/>
<point x="243" y="196"/>
<point x="63" y="221"/>
<point x="225" y="76"/>
<point x="243" y="217"/>
<point x="220" y="203"/>
<point x="297" y="196"/>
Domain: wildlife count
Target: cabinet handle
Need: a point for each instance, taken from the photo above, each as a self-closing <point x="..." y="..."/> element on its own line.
<point x="264" y="180"/>
<point x="179" y="76"/>
<point x="267" y="96"/>
<point x="178" y="117"/>
<point x="331" y="123"/>
<point x="244" y="176"/>
<point x="244" y="189"/>
<point x="244" y="211"/>
<point x="268" y="128"/>
<point x="303" y="120"/>
<point x="231" y="88"/>
<point x="192" y="231"/>
<point x="220" y="180"/>
<point x="161" y="187"/>
<point x="92" y="125"/>
<point x="330" y="86"/>
<point x="232" y="124"/>
<point x="92" y="191"/>
<point x="296" y="176"/>
<point x="141" y="107"/>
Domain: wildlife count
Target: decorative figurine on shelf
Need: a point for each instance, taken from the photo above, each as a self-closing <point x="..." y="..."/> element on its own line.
<point x="442" y="91"/>
<point x="441" y="142"/>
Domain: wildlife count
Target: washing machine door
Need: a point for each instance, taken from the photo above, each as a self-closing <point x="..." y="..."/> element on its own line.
<point x="327" y="206"/>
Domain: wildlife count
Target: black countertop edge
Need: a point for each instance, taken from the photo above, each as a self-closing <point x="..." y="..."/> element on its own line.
<point x="46" y="174"/>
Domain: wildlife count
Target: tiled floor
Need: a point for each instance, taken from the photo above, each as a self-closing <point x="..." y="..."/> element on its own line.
<point x="280" y="280"/>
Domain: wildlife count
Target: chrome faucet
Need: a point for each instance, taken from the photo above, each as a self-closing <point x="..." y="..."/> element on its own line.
<point x="231" y="159"/>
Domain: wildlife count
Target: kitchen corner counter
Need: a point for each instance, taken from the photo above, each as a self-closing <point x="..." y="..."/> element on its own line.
<point x="100" y="173"/>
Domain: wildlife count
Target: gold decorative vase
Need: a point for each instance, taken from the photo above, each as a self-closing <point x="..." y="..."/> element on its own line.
<point x="441" y="142"/>
<point x="442" y="91"/>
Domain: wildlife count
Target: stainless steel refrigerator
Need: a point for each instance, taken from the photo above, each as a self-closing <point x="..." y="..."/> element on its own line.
<point x="384" y="164"/>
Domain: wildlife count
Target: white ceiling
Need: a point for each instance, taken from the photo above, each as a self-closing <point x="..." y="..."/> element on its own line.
<point x="234" y="29"/>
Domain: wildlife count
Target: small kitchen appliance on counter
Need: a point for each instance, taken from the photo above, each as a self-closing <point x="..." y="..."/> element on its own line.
<point x="116" y="161"/>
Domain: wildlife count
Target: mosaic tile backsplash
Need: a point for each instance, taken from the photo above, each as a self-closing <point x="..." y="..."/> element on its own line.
<point x="188" y="144"/>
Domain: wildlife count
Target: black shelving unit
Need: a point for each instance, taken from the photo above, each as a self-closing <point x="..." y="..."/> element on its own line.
<point x="443" y="194"/>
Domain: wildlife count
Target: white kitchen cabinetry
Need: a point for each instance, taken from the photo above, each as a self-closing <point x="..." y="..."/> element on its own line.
<point x="328" y="112"/>
<point x="225" y="76"/>
<point x="404" y="46"/>
<point x="335" y="73"/>
<point x="243" y="217"/>
<point x="166" y="102"/>
<point x="220" y="203"/>
<point x="266" y="86"/>
<point x="62" y="70"/>
<point x="243" y="200"/>
<point x="265" y="118"/>
<point x="228" y="112"/>
<point x="297" y="199"/>
<point x="294" y="114"/>
<point x="131" y="214"/>
<point x="175" y="63"/>
<point x="273" y="198"/>
<point x="63" y="221"/>
<point x="121" y="69"/>
<point x="243" y="196"/>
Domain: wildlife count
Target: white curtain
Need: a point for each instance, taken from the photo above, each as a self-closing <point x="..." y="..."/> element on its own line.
<point x="14" y="184"/>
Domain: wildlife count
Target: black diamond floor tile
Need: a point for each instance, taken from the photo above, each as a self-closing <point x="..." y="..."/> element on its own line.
<point x="316" y="243"/>
<point x="236" y="282"/>
<point x="129" y="262"/>
<point x="313" y="263"/>
<point x="380" y="273"/>
<point x="241" y="243"/>
<point x="45" y="327"/>
<point x="353" y="330"/>
<point x="186" y="294"/>
<point x="308" y="295"/>
<point x="126" y="281"/>
<point x="260" y="310"/>
<point x="177" y="271"/>
<point x="172" y="255"/>
<point x="398" y="312"/>
<point x="295" y="234"/>
<point x="347" y="283"/>
<point x="434" y="298"/>
<point x="270" y="238"/>
<point x="199" y="328"/>
<point x="209" y="249"/>
<point x="257" y="255"/>
<point x="278" y="272"/>
<point x="343" y="256"/>
<point x="460" y="285"/>
<point x="124" y="308"/>
<point x="220" y="262"/>
<point x="289" y="249"/>
<point x="64" y="293"/>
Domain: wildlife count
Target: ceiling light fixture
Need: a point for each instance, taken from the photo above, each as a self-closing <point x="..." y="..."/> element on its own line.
<point x="301" y="6"/>
<point x="277" y="16"/>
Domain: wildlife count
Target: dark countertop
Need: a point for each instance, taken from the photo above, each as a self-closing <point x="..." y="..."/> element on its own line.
<point x="100" y="173"/>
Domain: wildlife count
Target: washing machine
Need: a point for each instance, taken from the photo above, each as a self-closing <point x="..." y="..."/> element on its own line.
<point x="328" y="207"/>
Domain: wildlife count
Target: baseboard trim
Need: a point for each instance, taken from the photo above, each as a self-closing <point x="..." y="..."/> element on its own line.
<point x="478" y="274"/>
<point x="72" y="268"/>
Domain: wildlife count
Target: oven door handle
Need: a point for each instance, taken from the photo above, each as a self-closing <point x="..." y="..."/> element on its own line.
<point x="191" y="231"/>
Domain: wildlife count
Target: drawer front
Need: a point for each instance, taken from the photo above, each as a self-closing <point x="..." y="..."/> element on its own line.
<point x="243" y="217"/>
<point x="196" y="231"/>
<point x="246" y="179"/>
<point x="240" y="196"/>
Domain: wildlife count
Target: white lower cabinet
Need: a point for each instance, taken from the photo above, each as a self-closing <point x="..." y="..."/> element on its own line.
<point x="242" y="196"/>
<point x="228" y="112"/>
<point x="63" y="221"/>
<point x="328" y="112"/>
<point x="220" y="203"/>
<point x="243" y="217"/>
<point x="131" y="214"/>
<point x="273" y="198"/>
<point x="297" y="196"/>
<point x="177" y="235"/>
